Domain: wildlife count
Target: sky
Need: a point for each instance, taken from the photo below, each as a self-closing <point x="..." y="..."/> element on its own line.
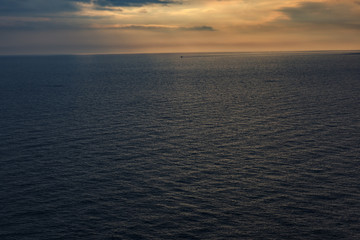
<point x="156" y="26"/>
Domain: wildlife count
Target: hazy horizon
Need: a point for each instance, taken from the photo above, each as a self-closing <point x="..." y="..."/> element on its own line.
<point x="351" y="51"/>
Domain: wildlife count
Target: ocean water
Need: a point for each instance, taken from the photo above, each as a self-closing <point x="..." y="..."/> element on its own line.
<point x="155" y="146"/>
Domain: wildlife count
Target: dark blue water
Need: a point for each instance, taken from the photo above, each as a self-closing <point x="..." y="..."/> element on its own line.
<point x="208" y="146"/>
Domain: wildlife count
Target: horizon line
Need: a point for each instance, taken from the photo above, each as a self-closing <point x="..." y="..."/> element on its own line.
<point x="189" y="52"/>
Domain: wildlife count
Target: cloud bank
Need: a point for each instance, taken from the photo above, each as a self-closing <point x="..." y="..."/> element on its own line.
<point x="114" y="26"/>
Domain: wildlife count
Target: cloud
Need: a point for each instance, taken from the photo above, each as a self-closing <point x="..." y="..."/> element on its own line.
<point x="124" y="3"/>
<point x="177" y="25"/>
<point x="68" y="14"/>
<point x="332" y="14"/>
<point x="149" y="27"/>
<point x="32" y="24"/>
<point x="48" y="7"/>
<point x="198" y="28"/>
<point x="36" y="7"/>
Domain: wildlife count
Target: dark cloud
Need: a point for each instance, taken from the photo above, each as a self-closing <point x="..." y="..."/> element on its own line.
<point x="48" y="7"/>
<point x="157" y="28"/>
<point x="123" y="3"/>
<point x="309" y="12"/>
<point x="37" y="7"/>
<point x="28" y="24"/>
<point x="139" y="27"/>
<point x="197" y="28"/>
<point x="46" y="14"/>
<point x="322" y="14"/>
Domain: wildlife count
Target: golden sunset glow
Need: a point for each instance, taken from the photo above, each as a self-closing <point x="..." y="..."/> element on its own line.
<point x="182" y="26"/>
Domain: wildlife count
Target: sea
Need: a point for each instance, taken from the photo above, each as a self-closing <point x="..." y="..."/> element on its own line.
<point x="262" y="145"/>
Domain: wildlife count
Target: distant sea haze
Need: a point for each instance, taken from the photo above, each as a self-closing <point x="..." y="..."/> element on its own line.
<point x="159" y="146"/>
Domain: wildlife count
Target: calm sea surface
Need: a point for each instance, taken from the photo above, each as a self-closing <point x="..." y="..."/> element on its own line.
<point x="208" y="146"/>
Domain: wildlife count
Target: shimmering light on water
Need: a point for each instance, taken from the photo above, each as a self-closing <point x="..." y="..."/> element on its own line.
<point x="208" y="146"/>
